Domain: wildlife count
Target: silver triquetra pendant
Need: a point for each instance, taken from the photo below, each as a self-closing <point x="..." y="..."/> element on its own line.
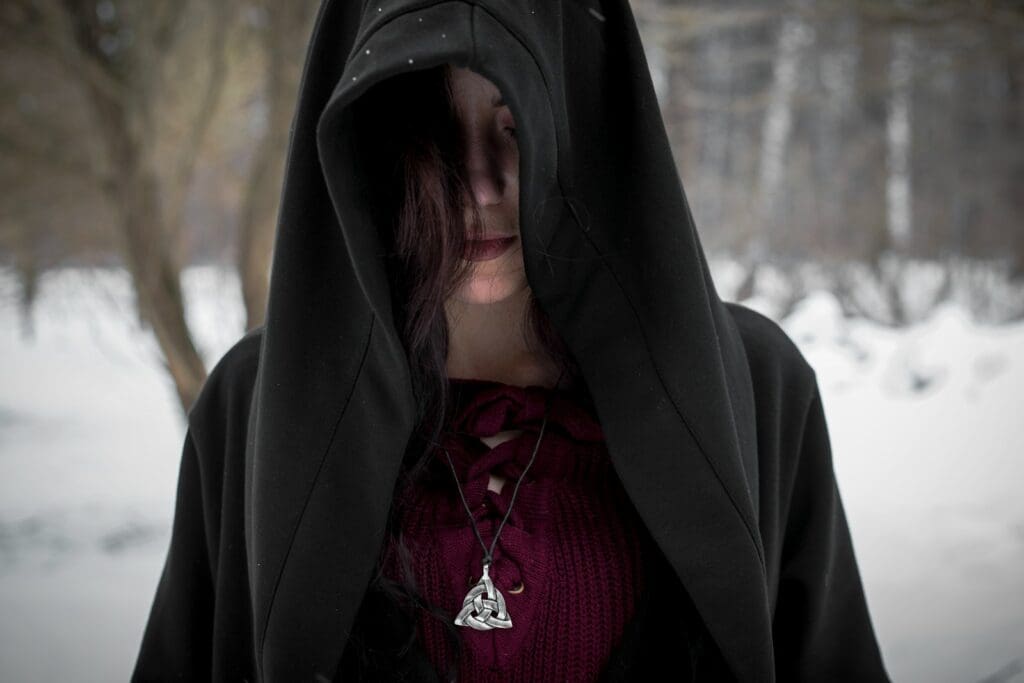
<point x="483" y="608"/>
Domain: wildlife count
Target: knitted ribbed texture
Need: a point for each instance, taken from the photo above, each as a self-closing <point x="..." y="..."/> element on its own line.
<point x="571" y="539"/>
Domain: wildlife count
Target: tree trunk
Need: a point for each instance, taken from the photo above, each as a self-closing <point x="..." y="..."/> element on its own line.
<point x="147" y="248"/>
<point x="777" y="128"/>
<point x="898" y="195"/>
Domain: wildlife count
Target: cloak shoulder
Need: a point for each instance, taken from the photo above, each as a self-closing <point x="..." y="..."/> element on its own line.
<point x="821" y="625"/>
<point x="199" y="626"/>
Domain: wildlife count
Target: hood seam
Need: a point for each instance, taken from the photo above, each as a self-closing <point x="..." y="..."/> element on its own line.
<point x="312" y="486"/>
<point x="661" y="379"/>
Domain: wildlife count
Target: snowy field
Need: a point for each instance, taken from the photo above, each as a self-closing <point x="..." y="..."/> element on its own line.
<point x="927" y="435"/>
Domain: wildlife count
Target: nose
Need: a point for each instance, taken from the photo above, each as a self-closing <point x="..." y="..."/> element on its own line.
<point x="485" y="168"/>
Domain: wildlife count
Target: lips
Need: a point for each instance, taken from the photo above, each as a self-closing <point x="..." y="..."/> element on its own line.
<point x="487" y="249"/>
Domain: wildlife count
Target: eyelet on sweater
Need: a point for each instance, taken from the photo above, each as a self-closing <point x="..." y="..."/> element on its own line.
<point x="517" y="589"/>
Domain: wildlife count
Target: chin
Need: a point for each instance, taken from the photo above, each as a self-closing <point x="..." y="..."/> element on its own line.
<point x="492" y="289"/>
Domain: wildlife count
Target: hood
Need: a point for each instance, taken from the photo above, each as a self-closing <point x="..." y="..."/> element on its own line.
<point x="610" y="251"/>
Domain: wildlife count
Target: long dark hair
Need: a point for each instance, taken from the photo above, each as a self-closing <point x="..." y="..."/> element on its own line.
<point x="419" y="196"/>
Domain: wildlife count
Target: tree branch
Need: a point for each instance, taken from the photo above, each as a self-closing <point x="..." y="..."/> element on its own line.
<point x="45" y="29"/>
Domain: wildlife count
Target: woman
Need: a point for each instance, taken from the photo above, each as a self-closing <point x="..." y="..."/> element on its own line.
<point x="571" y="461"/>
<point x="483" y="352"/>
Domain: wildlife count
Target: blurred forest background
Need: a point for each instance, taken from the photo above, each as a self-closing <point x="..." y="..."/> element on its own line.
<point x="867" y="137"/>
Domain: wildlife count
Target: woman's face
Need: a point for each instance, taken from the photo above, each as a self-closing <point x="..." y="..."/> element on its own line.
<point x="492" y="168"/>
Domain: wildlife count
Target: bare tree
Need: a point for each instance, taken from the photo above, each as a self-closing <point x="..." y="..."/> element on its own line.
<point x="122" y="58"/>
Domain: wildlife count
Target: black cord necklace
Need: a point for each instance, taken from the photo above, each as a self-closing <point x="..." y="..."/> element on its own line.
<point x="484" y="606"/>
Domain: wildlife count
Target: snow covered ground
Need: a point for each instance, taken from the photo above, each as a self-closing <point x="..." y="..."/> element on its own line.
<point x="926" y="425"/>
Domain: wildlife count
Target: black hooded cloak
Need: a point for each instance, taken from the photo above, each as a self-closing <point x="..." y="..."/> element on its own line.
<point x="713" y="418"/>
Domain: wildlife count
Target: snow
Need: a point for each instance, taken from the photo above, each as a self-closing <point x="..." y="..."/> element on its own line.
<point x="926" y="436"/>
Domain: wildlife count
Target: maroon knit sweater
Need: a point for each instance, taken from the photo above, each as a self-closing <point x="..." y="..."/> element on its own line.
<point x="569" y="560"/>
